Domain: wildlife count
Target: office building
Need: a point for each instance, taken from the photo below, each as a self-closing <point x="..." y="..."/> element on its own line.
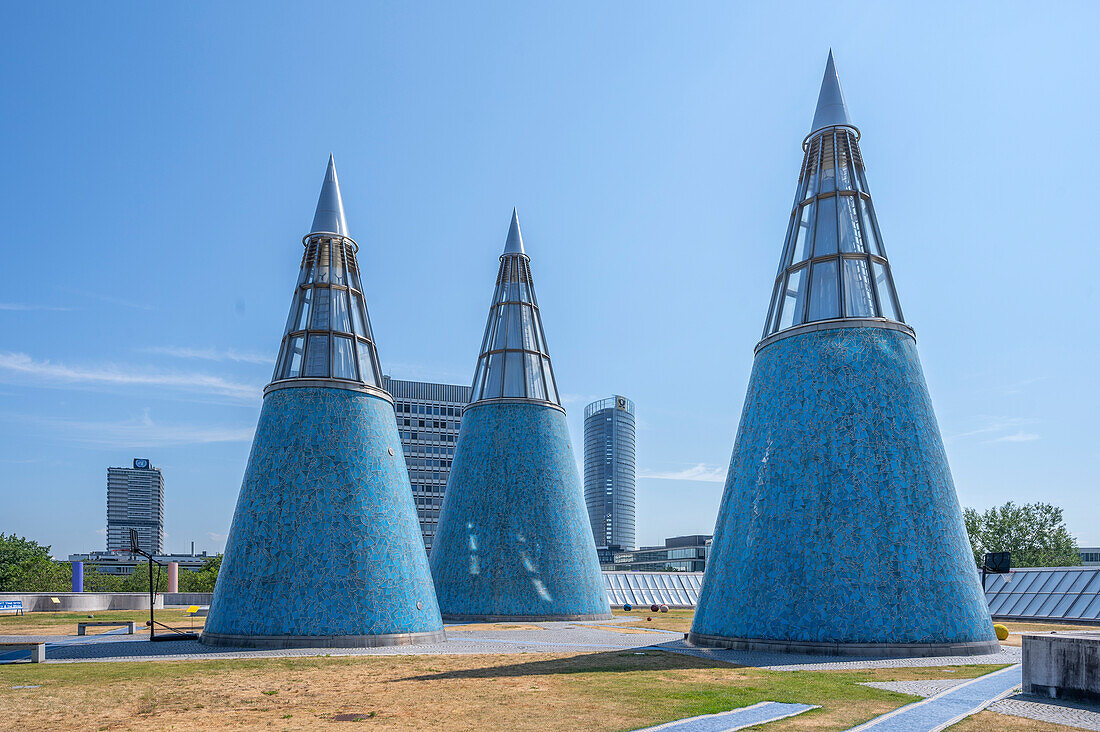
<point x="135" y="500"/>
<point x="839" y="530"/>
<point x="1090" y="556"/>
<point x="428" y="418"/>
<point x="609" y="471"/>
<point x="513" y="540"/>
<point x="325" y="548"/>
<point x="679" y="554"/>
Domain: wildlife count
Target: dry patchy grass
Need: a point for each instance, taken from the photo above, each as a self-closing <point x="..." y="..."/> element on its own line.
<point x="675" y="619"/>
<point x="993" y="722"/>
<point x="598" y="691"/>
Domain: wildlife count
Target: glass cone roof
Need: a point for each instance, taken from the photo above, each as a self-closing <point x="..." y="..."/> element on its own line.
<point x="328" y="333"/>
<point x="834" y="263"/>
<point x="515" y="360"/>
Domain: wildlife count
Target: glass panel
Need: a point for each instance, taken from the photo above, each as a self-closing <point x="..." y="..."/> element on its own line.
<point x="885" y="295"/>
<point x="317" y="356"/>
<point x="343" y="359"/>
<point x="530" y="338"/>
<point x="338" y="264"/>
<point x="815" y="159"/>
<point x="340" y="320"/>
<point x="322" y="260"/>
<point x="551" y="390"/>
<point x="366" y="322"/>
<point x="1063" y="605"/>
<point x="535" y="388"/>
<point x="804" y="238"/>
<point x="770" y="320"/>
<point x="823" y="292"/>
<point x="493" y="383"/>
<point x="513" y="374"/>
<point x="321" y="308"/>
<point x="850" y="238"/>
<point x="356" y="317"/>
<point x="844" y="177"/>
<point x="828" y="172"/>
<point x="501" y="328"/>
<point x="869" y="235"/>
<point x="366" y="364"/>
<point x="859" y="302"/>
<point x="513" y="315"/>
<point x="305" y="296"/>
<point x="825" y="236"/>
<point x="294" y="363"/>
<point x="792" y="299"/>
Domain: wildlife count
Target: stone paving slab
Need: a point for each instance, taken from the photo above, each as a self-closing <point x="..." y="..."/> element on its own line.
<point x="948" y="707"/>
<point x="1056" y="711"/>
<point x="925" y="688"/>
<point x="814" y="662"/>
<point x="735" y="719"/>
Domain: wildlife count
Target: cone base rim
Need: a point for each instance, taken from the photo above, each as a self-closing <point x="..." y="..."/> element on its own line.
<point x="322" y="641"/>
<point x="881" y="650"/>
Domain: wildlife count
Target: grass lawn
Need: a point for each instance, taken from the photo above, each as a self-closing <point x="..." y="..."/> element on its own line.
<point x="65" y="623"/>
<point x="621" y="690"/>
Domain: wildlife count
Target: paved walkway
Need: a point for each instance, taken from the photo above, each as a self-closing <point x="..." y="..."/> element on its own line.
<point x="1082" y="715"/>
<point x="735" y="719"/>
<point x="948" y="707"/>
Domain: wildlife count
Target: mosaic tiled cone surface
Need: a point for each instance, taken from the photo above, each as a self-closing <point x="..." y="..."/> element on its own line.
<point x="325" y="539"/>
<point x="514" y="538"/>
<point x="839" y="521"/>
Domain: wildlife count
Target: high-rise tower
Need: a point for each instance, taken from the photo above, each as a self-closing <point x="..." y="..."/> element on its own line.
<point x="839" y="530"/>
<point x="135" y="500"/>
<point x="513" y="540"/>
<point x="609" y="471"/>
<point x="325" y="549"/>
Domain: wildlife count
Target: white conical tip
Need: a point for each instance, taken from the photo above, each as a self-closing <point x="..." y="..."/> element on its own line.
<point x="329" y="218"/>
<point x="514" y="245"/>
<point x="831" y="110"/>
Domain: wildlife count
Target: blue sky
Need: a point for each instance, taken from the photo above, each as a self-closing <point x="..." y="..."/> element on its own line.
<point x="162" y="164"/>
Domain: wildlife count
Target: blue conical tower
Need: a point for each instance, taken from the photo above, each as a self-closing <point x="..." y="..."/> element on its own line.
<point x="839" y="530"/>
<point x="513" y="541"/>
<point x="325" y="547"/>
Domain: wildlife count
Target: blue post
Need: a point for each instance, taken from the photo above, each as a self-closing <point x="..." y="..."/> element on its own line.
<point x="78" y="576"/>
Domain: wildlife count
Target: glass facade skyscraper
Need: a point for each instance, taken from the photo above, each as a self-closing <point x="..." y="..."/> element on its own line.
<point x="428" y="418"/>
<point x="609" y="471"/>
<point x="135" y="500"/>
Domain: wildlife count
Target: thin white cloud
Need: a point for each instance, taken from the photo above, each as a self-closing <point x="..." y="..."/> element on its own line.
<point x="23" y="368"/>
<point x="23" y="306"/>
<point x="700" y="472"/>
<point x="1020" y="436"/>
<point x="993" y="425"/>
<point x="142" y="432"/>
<point x="211" y="354"/>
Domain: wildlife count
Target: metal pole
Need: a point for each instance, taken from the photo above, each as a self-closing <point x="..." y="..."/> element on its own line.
<point x="152" y="601"/>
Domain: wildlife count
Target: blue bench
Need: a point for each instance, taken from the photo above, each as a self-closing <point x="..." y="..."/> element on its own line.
<point x="12" y="605"/>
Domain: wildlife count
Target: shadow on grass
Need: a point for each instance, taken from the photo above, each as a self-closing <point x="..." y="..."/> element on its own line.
<point x="604" y="662"/>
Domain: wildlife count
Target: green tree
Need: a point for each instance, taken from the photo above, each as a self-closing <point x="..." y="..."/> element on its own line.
<point x="1035" y="533"/>
<point x="25" y="566"/>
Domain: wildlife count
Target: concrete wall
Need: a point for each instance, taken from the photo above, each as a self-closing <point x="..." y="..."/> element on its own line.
<point x="1062" y="665"/>
<point x="37" y="602"/>
<point x="186" y="599"/>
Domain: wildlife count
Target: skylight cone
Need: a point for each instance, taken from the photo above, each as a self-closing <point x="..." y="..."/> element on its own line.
<point x="328" y="333"/>
<point x="834" y="263"/>
<point x="515" y="361"/>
